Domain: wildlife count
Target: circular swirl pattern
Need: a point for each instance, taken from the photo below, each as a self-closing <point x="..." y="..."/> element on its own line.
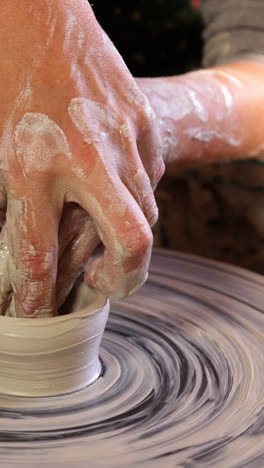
<point x="182" y="383"/>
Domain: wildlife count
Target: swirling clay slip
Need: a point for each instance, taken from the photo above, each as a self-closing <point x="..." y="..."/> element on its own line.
<point x="50" y="356"/>
<point x="181" y="383"/>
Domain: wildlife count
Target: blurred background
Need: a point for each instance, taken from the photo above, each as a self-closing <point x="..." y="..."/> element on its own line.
<point x="155" y="37"/>
<point x="218" y="211"/>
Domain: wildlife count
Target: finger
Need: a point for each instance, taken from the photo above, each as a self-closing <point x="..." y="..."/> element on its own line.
<point x="153" y="163"/>
<point x="77" y="241"/>
<point x="149" y="146"/>
<point x="32" y="240"/>
<point x="148" y="136"/>
<point x="124" y="231"/>
<point x="72" y="220"/>
<point x="139" y="186"/>
<point x="138" y="183"/>
<point x="120" y="222"/>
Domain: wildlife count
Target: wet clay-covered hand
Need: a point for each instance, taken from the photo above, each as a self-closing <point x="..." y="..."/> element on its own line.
<point x="75" y="130"/>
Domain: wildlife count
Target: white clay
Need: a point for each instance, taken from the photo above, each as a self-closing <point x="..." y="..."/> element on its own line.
<point x="37" y="140"/>
<point x="227" y="97"/>
<point x="216" y="90"/>
<point x="207" y="135"/>
<point x="232" y="79"/>
<point x="178" y="107"/>
<point x="93" y="119"/>
<point x="199" y="109"/>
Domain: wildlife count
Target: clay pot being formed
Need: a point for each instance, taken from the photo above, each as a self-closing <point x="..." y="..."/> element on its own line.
<point x="52" y="356"/>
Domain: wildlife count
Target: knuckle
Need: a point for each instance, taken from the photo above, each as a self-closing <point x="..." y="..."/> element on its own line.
<point x="139" y="240"/>
<point x="145" y="240"/>
<point x="38" y="139"/>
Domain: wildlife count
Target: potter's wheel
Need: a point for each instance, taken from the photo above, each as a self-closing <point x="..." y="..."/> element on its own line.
<point x="182" y="382"/>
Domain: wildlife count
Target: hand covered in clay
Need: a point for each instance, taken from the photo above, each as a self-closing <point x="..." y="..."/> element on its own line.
<point x="79" y="157"/>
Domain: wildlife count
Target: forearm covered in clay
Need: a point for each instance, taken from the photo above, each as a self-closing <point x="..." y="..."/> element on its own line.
<point x="213" y="114"/>
<point x="233" y="29"/>
<point x="210" y="115"/>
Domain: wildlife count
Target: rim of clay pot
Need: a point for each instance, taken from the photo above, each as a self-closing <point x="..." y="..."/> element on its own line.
<point x="53" y="355"/>
<point x="87" y="308"/>
<point x="91" y="298"/>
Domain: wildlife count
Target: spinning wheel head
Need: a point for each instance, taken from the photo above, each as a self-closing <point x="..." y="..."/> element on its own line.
<point x="181" y="383"/>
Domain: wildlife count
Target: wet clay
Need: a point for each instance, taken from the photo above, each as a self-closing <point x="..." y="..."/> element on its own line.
<point x="51" y="356"/>
<point x="181" y="383"/>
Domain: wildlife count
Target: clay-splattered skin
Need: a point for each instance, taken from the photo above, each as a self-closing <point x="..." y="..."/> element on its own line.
<point x="209" y="115"/>
<point x="75" y="129"/>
